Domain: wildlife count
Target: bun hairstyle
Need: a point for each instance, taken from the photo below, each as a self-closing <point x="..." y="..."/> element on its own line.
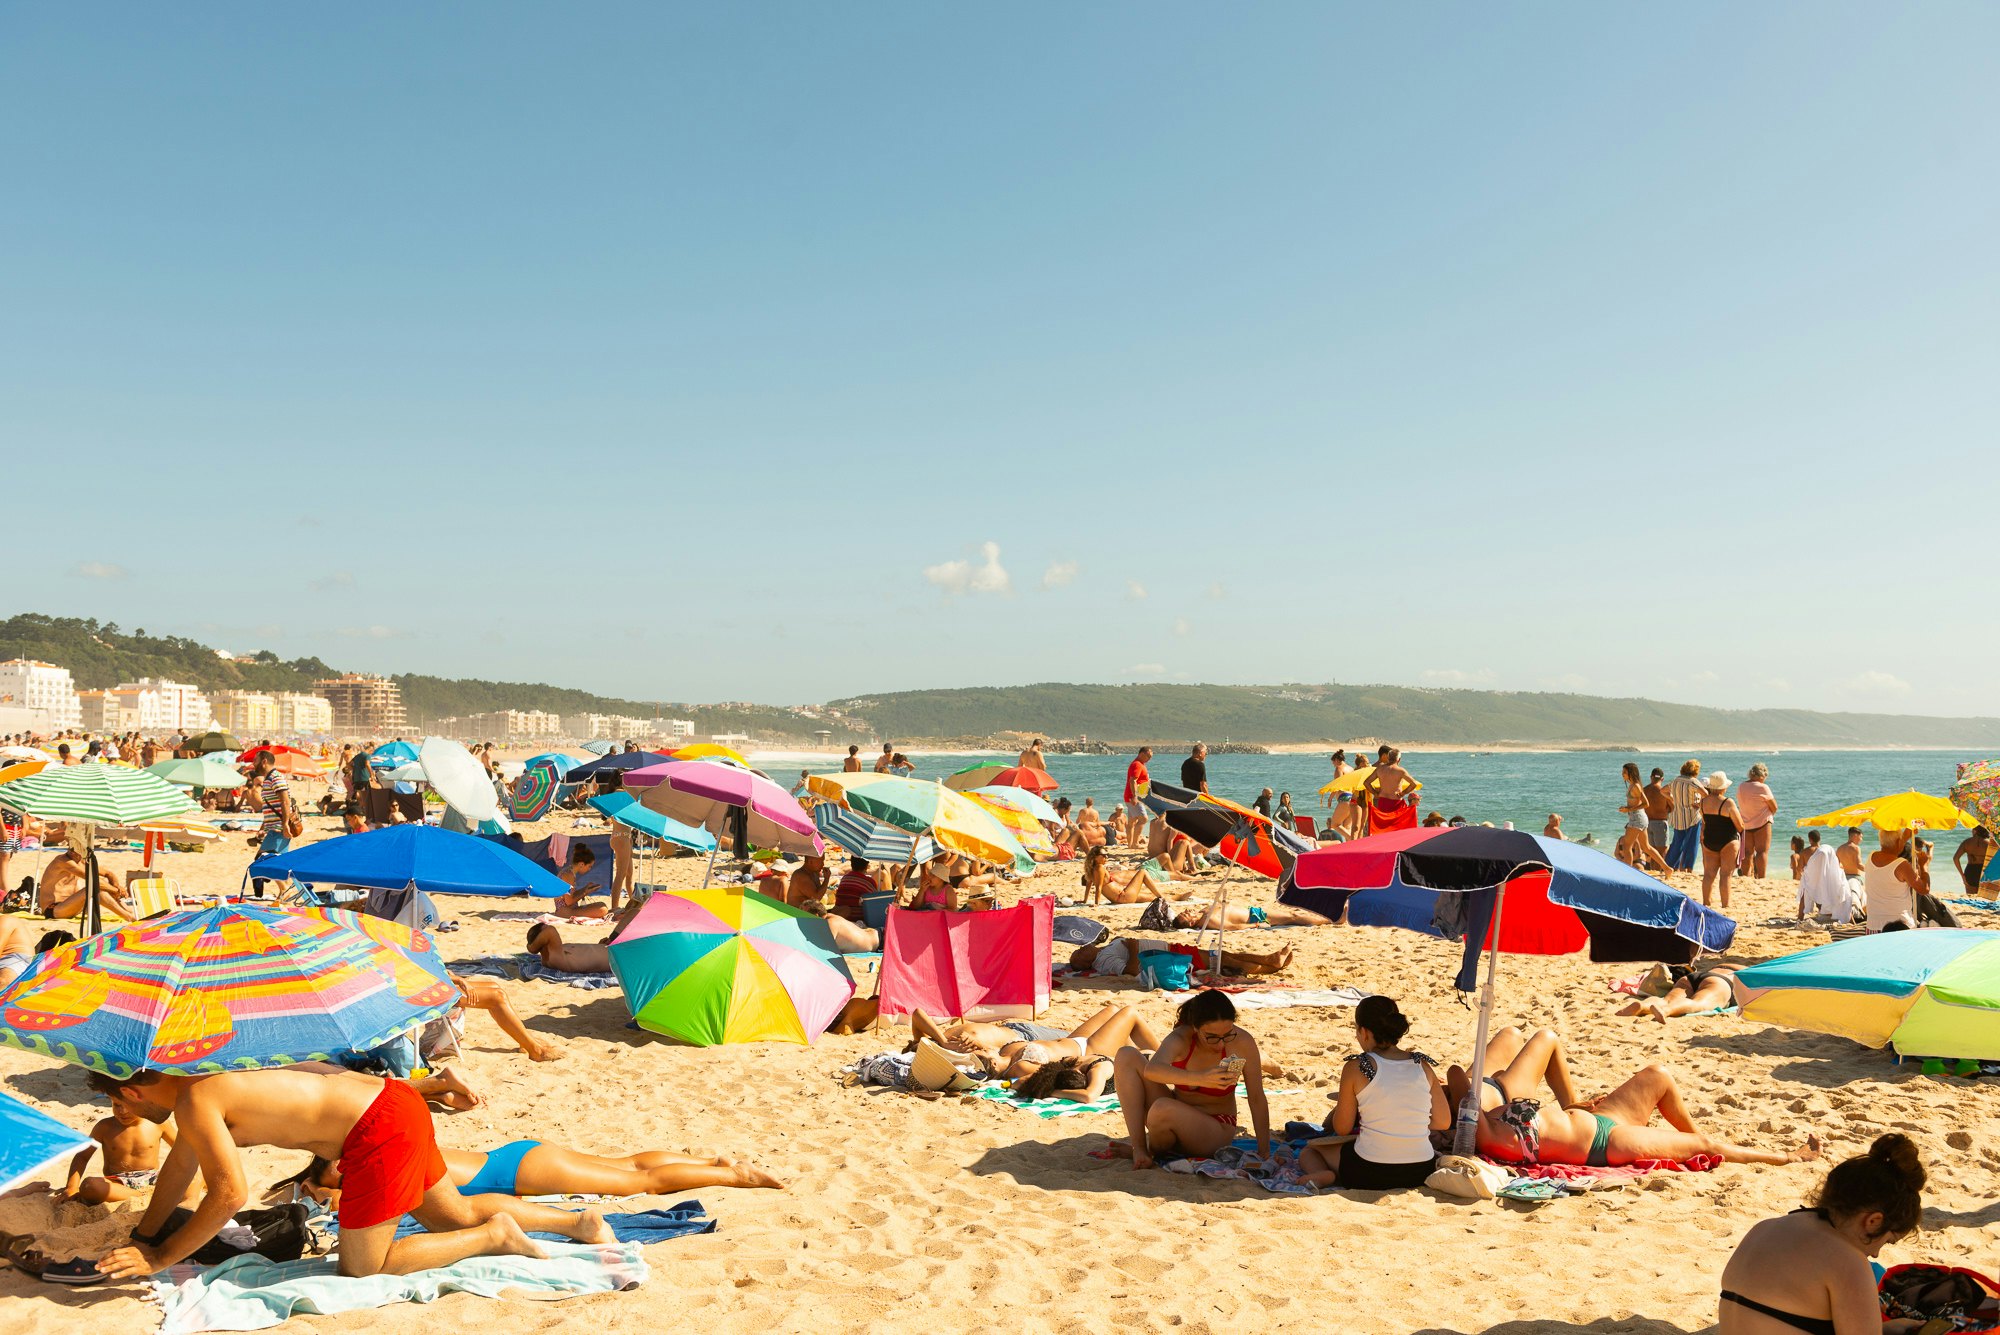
<point x="1063" y="1073"/>
<point x="1381" y="1017"/>
<point x="1889" y="1178"/>
<point x="1205" y="1007"/>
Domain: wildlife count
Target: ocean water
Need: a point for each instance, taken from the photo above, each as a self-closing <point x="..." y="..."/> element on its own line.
<point x="1523" y="787"/>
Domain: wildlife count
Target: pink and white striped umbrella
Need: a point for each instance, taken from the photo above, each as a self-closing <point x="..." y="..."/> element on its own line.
<point x="703" y="792"/>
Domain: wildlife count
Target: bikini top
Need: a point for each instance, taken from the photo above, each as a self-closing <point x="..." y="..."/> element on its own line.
<point x="1227" y="1091"/>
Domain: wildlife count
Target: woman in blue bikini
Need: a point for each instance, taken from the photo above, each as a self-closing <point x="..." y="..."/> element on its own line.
<point x="1612" y="1129"/>
<point x="532" y="1168"/>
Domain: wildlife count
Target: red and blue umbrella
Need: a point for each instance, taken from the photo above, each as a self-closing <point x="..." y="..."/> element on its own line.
<point x="534" y="792"/>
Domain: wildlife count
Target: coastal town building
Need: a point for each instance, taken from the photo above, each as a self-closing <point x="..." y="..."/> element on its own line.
<point x="154" y="704"/>
<point x="587" y="726"/>
<point x="302" y="715"/>
<point x="44" y="690"/>
<point x="504" y="725"/>
<point x="364" y="706"/>
<point x="245" y="713"/>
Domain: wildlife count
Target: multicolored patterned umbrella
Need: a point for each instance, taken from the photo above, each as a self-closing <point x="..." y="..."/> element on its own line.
<point x="1020" y="799"/>
<point x="954" y="820"/>
<point x="729" y="966"/>
<point x="1910" y="810"/>
<point x="94" y="795"/>
<point x="233" y="988"/>
<point x="1933" y="993"/>
<point x="1976" y="792"/>
<point x="975" y="776"/>
<point x="1027" y="831"/>
<point x="534" y="792"/>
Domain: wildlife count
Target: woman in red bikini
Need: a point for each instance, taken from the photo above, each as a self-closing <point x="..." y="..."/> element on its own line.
<point x="1182" y="1099"/>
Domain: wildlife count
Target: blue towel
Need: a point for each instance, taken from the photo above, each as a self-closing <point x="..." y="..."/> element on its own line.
<point x="531" y="969"/>
<point x="645" y="1228"/>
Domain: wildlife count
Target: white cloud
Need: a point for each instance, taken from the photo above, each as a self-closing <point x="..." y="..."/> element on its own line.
<point x="1181" y="626"/>
<point x="1135" y="591"/>
<point x="1145" y="670"/>
<point x="1216" y="593"/>
<point x="1777" y="684"/>
<point x="1876" y="686"/>
<point x="339" y="579"/>
<point x="1568" y="681"/>
<point x="1058" y="574"/>
<point x="1704" y="678"/>
<point x="369" y="633"/>
<point x="1456" y="676"/>
<point x="99" y="570"/>
<point x="957" y="577"/>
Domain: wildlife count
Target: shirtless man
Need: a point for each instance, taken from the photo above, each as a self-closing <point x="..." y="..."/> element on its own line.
<point x="586" y="957"/>
<point x="61" y="893"/>
<point x="1248" y="915"/>
<point x="1390" y="787"/>
<point x="886" y="759"/>
<point x="380" y="1132"/>
<point x="1032" y="757"/>
<point x="1609" y="1130"/>
<point x="852" y="765"/>
<point x="131" y="1147"/>
<point x="1849" y="855"/>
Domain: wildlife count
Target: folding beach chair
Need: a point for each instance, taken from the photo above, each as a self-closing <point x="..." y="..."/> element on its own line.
<point x="150" y="895"/>
<point x="1305" y="827"/>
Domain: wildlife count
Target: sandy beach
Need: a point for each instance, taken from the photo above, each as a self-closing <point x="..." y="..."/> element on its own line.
<point x="904" y="1213"/>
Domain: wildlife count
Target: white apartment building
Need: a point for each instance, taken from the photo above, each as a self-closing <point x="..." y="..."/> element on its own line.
<point x="164" y="706"/>
<point x="681" y="729"/>
<point x="44" y="690"/>
<point x="613" y="726"/>
<point x="507" y="725"/>
<point x="302" y="715"/>
<point x="104" y="711"/>
<point x="248" y="714"/>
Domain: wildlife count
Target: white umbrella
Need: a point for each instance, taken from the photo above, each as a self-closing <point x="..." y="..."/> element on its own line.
<point x="460" y="780"/>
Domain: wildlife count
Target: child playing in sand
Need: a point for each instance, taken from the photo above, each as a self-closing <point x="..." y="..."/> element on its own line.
<point x="131" y="1146"/>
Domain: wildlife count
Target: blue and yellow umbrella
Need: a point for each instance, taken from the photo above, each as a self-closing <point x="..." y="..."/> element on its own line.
<point x="1929" y="993"/>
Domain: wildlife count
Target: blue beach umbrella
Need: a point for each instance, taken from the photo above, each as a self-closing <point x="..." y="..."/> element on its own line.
<point x="870" y="839"/>
<point x="627" y="810"/>
<point x="438" y="862"/>
<point x="621" y="760"/>
<point x="390" y="754"/>
<point x="31" y="1141"/>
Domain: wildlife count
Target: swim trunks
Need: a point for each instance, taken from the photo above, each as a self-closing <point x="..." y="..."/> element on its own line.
<point x="1257" y="915"/>
<point x="138" y="1178"/>
<point x="389" y="1159"/>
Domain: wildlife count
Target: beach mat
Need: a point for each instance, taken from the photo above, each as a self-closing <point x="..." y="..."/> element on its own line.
<point x="1045" y="1108"/>
<point x="530" y="968"/>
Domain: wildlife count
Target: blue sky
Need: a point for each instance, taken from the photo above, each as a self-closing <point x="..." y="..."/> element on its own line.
<point x="784" y="352"/>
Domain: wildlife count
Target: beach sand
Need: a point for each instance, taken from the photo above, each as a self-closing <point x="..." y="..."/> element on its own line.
<point x="952" y="1215"/>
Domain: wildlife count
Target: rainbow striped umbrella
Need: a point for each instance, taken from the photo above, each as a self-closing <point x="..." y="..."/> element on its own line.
<point x="534" y="792"/>
<point x="233" y="988"/>
<point x="954" y="820"/>
<point x="1930" y="993"/>
<point x="728" y="965"/>
<point x="1027" y="831"/>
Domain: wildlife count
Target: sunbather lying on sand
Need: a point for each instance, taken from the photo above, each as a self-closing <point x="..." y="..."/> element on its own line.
<point x="547" y="942"/>
<point x="531" y="1168"/>
<point x="1694" y="992"/>
<point x="1611" y="1129"/>
<point x="1018" y="1048"/>
<point x="1250" y="915"/>
<point x="1120" y="957"/>
<point x="1100" y="882"/>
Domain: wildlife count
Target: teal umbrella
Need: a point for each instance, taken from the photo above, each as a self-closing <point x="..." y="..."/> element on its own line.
<point x="202" y="773"/>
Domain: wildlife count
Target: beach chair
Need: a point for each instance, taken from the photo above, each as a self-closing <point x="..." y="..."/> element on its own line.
<point x="150" y="895"/>
<point x="1305" y="826"/>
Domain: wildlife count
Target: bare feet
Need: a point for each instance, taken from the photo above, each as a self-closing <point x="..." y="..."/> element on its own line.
<point x="1810" y="1152"/>
<point x="543" y="1051"/>
<point x="590" y="1227"/>
<point x="1631" y="1010"/>
<point x="452" y="1091"/>
<point x="509" y="1240"/>
<point x="750" y="1176"/>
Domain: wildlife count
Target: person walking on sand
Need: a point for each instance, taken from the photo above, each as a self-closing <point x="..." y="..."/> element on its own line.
<point x="1721" y="832"/>
<point x="1684" y="817"/>
<point x="379" y="1131"/>
<point x="1633" y="845"/>
<point x="1138" y="782"/>
<point x="1756" y="804"/>
<point x="1659" y="807"/>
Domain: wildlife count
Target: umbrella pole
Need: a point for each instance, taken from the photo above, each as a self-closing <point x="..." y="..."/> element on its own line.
<point x="95" y="909"/>
<point x="709" y="875"/>
<point x="1465" y="1140"/>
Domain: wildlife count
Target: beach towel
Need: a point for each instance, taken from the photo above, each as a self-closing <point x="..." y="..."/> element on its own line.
<point x="531" y="969"/>
<point x="251" y="1293"/>
<point x="1271" y="999"/>
<point x="1580" y="1173"/>
<point x="1384" y="816"/>
<point x="1238" y="1161"/>
<point x="1824" y="887"/>
<point x="1045" y="1108"/>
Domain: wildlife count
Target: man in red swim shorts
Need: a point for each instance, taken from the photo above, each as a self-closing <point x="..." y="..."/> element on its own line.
<point x="379" y="1131"/>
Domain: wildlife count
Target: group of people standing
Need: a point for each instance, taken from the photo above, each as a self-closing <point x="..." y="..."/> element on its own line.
<point x="1668" y="823"/>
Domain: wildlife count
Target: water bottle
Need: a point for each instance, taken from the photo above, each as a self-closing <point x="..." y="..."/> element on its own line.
<point x="1465" y="1129"/>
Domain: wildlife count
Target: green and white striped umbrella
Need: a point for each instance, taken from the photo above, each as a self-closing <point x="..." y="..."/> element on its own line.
<point x="95" y="795"/>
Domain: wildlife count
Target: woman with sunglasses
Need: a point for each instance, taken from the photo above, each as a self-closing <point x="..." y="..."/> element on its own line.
<point x="1182" y="1098"/>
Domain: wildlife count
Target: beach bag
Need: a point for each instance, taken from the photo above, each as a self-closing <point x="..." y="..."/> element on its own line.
<point x="1071" y="930"/>
<point x="1164" y="969"/>
<point x="1965" y="1299"/>
<point x="1157" y="917"/>
<point x="280" y="1234"/>
<point x="1466" y="1178"/>
<point x="294" y="824"/>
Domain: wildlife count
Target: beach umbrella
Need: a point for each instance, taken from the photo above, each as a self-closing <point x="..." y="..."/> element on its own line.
<point x="292" y="763"/>
<point x="1349" y="782"/>
<point x="975" y="776"/>
<point x="31" y="1141"/>
<point x="622" y="761"/>
<point x="458" y="778"/>
<point x="1898" y="811"/>
<point x="27" y="753"/>
<point x="438" y="862"/>
<point x="1976" y="792"/>
<point x="234" y="988"/>
<point x="1034" y="780"/>
<point x="1930" y="993"/>
<point x="1562" y="897"/>
<point x="21" y="769"/>
<point x="629" y="811"/>
<point x="555" y="760"/>
<point x="391" y="754"/>
<point x="275" y="748"/>
<point x="534" y="792"/>
<point x="922" y="806"/>
<point x="201" y="773"/>
<point x="723" y="799"/>
<point x="864" y="837"/>
<point x="710" y="751"/>
<point x="1027" y="831"/>
<point x="598" y="747"/>
<point x="215" y="739"/>
<point x="94" y="795"/>
<point x="727" y="965"/>
<point x="1020" y="799"/>
<point x="410" y="771"/>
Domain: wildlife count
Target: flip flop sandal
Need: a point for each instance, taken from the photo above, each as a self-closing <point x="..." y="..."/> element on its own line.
<point x="18" y="1249"/>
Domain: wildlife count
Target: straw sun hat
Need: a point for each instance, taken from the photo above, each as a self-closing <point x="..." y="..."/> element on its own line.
<point x="1717" y="781"/>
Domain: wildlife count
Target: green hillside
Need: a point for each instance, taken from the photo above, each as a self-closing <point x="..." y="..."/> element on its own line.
<point x="1407" y="714"/>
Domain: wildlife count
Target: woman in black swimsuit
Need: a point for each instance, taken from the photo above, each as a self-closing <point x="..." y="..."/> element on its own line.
<point x="1721" y="827"/>
<point x="1809" y="1270"/>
